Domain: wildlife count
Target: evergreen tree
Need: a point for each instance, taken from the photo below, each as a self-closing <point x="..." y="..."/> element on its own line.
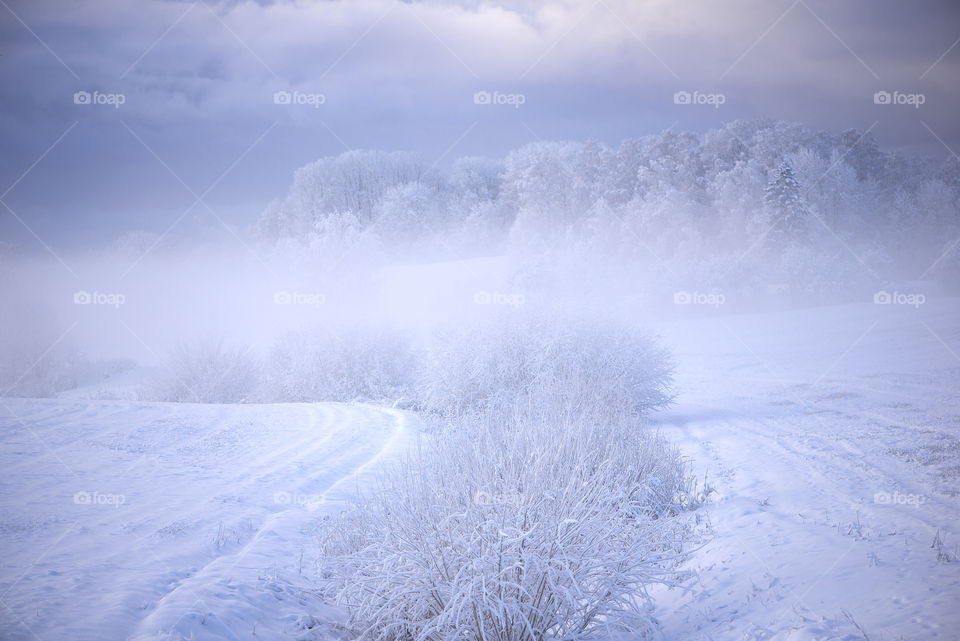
<point x="785" y="203"/>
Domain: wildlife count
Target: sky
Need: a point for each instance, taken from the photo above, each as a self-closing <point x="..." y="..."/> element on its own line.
<point x="188" y="117"/>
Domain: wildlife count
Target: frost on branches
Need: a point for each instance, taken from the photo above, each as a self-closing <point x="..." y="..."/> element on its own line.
<point x="542" y="514"/>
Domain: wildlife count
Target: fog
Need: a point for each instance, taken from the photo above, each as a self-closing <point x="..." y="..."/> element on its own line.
<point x="755" y="216"/>
<point x="436" y="320"/>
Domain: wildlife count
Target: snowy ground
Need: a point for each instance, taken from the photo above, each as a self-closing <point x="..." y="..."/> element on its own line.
<point x="160" y="521"/>
<point x="831" y="437"/>
<point x="833" y="444"/>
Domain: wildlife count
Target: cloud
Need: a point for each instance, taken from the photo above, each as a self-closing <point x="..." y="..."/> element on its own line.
<point x="199" y="79"/>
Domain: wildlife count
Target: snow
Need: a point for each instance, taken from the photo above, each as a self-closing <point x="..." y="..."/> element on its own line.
<point x="166" y="521"/>
<point x="829" y="436"/>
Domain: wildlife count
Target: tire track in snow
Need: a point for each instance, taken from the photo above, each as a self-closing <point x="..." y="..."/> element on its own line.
<point x="281" y="530"/>
<point x="768" y="569"/>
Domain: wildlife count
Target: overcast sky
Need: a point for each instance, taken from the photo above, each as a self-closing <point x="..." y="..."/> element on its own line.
<point x="201" y="124"/>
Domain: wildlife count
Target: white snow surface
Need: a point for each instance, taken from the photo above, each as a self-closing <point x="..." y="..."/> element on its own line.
<point x="124" y="520"/>
<point x="831" y="437"/>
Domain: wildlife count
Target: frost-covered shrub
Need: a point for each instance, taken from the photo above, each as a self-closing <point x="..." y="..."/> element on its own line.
<point x="208" y="371"/>
<point x="38" y="357"/>
<point x="33" y="368"/>
<point x="512" y="530"/>
<point x="550" y="365"/>
<point x="538" y="510"/>
<point x="366" y="362"/>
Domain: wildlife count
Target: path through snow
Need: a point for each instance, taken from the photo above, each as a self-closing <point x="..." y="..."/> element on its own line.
<point x="162" y="521"/>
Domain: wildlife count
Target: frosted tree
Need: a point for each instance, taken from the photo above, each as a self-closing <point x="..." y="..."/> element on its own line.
<point x="862" y="153"/>
<point x="689" y="204"/>
<point x="786" y="205"/>
<point x="407" y="212"/>
<point x="476" y="179"/>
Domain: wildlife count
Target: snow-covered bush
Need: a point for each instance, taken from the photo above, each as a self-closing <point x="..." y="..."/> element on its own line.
<point x="208" y="371"/>
<point x="512" y="530"/>
<point x="38" y="368"/>
<point x="38" y="357"/>
<point x="551" y="365"/>
<point x="365" y="362"/>
<point x="540" y="510"/>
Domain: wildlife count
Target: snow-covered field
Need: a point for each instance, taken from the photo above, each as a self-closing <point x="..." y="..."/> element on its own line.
<point x="154" y="521"/>
<point x="831" y="437"/>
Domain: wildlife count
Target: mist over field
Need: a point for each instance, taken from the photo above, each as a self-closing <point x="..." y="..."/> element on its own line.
<point x="478" y="320"/>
